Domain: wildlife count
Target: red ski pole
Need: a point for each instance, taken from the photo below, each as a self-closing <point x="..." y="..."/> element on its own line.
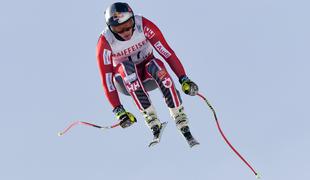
<point x="86" y="124"/>
<point x="224" y="137"/>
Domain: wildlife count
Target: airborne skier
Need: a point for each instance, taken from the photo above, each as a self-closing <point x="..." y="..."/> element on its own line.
<point x="127" y="65"/>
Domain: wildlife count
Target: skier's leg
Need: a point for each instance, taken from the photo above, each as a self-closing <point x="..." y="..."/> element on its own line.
<point x="129" y="73"/>
<point x="157" y="70"/>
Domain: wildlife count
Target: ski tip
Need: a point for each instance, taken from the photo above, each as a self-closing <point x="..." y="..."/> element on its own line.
<point x="194" y="145"/>
<point x="152" y="144"/>
<point x="258" y="176"/>
<point x="60" y="134"/>
<point x="164" y="124"/>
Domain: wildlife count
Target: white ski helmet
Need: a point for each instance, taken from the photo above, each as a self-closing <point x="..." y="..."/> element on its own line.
<point x="118" y="13"/>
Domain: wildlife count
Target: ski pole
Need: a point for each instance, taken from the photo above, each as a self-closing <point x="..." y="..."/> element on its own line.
<point x="86" y="124"/>
<point x="224" y="137"/>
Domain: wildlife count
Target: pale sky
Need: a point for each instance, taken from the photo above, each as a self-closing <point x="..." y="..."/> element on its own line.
<point x="249" y="57"/>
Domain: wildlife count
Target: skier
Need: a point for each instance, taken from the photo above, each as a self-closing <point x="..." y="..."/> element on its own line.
<point x="127" y="65"/>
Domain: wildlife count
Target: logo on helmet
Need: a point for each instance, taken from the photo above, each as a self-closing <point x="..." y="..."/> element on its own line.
<point x="129" y="9"/>
<point x="117" y="16"/>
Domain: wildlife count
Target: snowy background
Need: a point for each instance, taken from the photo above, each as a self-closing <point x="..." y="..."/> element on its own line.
<point x="249" y="57"/>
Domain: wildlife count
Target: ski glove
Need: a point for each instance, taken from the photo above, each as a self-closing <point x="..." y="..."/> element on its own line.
<point x="126" y="118"/>
<point x="188" y="86"/>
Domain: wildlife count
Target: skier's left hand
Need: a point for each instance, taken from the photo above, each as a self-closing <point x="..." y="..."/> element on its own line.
<point x="188" y="86"/>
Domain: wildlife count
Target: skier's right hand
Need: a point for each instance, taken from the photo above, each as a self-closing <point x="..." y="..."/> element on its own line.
<point x="126" y="118"/>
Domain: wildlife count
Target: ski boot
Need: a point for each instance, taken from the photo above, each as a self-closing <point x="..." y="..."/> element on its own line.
<point x="154" y="124"/>
<point x="181" y="122"/>
<point x="157" y="132"/>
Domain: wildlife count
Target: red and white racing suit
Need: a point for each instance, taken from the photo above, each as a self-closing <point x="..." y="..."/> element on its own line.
<point x="133" y="60"/>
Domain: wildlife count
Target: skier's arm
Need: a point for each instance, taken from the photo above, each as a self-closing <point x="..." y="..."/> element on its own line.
<point x="154" y="35"/>
<point x="104" y="58"/>
<point x="156" y="38"/>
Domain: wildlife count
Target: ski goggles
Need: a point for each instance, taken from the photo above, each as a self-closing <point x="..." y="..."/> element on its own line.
<point x="125" y="27"/>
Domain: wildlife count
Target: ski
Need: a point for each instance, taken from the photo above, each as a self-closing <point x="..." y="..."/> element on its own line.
<point x="156" y="140"/>
<point x="192" y="142"/>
